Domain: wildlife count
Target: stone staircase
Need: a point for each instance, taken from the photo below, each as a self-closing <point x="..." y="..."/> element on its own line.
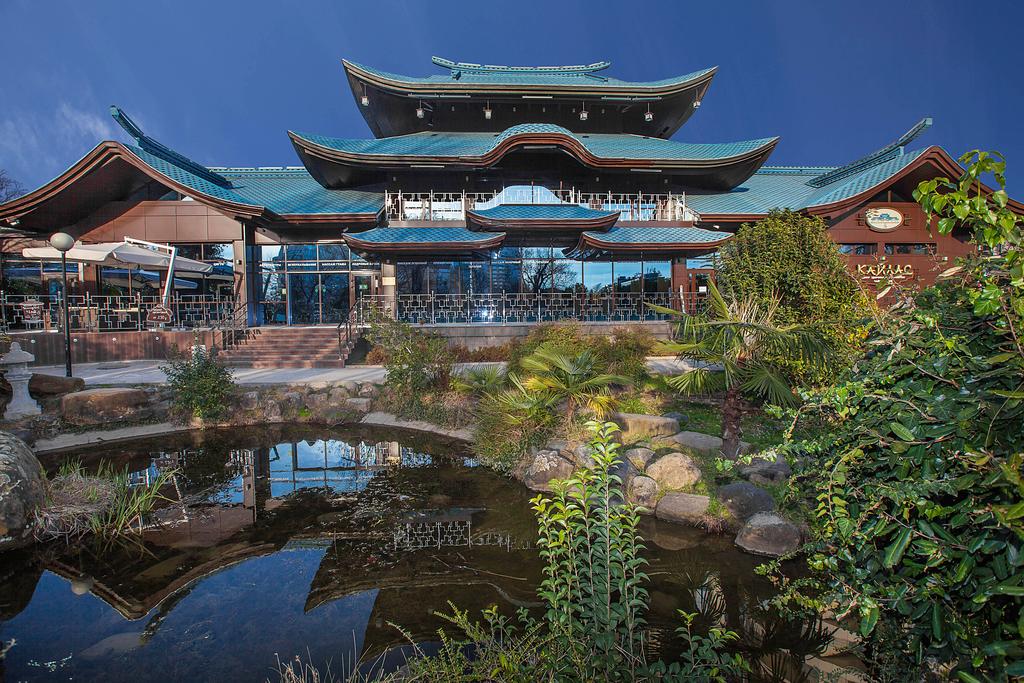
<point x="290" y="347"/>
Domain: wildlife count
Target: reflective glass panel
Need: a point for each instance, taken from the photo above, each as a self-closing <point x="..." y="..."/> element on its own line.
<point x="506" y="276"/>
<point x="412" y="278"/>
<point x="657" y="276"/>
<point x="304" y="298"/>
<point x="627" y="276"/>
<point x="567" y="275"/>
<point x="597" y="275"/>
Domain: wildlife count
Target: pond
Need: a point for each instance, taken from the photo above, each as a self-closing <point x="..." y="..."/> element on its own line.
<point x="321" y="543"/>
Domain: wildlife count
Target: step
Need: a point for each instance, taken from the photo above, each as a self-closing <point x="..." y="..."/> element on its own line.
<point x="257" y="364"/>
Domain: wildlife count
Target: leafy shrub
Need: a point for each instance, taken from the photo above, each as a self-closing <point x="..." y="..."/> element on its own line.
<point x="791" y="258"/>
<point x="484" y="354"/>
<point x="201" y="386"/>
<point x="511" y="422"/>
<point x="920" y="494"/>
<point x="414" y="361"/>
<point x="577" y="378"/>
<point x="480" y="381"/>
<point x="566" y="337"/>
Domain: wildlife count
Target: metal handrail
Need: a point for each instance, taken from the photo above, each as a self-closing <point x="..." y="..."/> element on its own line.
<point x="348" y="324"/>
<point x="231" y="325"/>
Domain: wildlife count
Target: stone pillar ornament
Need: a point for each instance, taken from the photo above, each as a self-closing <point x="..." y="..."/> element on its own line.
<point x="16" y="362"/>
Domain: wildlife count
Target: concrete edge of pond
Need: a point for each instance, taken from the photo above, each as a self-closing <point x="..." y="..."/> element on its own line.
<point x="72" y="440"/>
<point x="381" y="419"/>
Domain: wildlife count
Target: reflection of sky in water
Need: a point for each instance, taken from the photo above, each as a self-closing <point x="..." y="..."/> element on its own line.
<point x="218" y="632"/>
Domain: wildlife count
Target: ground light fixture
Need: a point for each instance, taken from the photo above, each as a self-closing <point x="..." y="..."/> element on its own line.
<point x="63" y="243"/>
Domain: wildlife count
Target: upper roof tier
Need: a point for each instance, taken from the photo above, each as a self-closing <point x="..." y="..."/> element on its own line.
<point x="486" y="98"/>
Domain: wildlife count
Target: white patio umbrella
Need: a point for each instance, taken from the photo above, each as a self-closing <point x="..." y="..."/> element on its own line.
<point x="119" y="254"/>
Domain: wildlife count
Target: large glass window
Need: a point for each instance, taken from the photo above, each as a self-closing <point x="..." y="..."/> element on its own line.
<point x="33" y="277"/>
<point x="918" y="249"/>
<point x="598" y="276"/>
<point x="628" y="276"/>
<point x="567" y="275"/>
<point x="657" y="276"/>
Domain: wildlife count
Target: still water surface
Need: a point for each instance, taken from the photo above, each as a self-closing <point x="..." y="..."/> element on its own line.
<point x="312" y="542"/>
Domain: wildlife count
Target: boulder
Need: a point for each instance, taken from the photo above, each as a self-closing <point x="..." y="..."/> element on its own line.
<point x="349" y="386"/>
<point x="292" y="400"/>
<point x="368" y="390"/>
<point x="704" y="443"/>
<point x="635" y="426"/>
<point x="625" y="471"/>
<point x="643" y="491"/>
<point x="743" y="500"/>
<point x="272" y="411"/>
<point x="544" y="466"/>
<point x="46" y="386"/>
<point x="767" y="471"/>
<point x="21" y="491"/>
<point x="250" y="400"/>
<point x="102" y="406"/>
<point x="682" y="508"/>
<point x="581" y="455"/>
<point x="338" y="395"/>
<point x="674" y="471"/>
<point x="640" y="457"/>
<point x="361" y="405"/>
<point x="766" y="533"/>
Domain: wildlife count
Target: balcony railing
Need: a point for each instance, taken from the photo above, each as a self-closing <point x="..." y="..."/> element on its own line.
<point x="506" y="308"/>
<point x="452" y="206"/>
<point x="89" y="313"/>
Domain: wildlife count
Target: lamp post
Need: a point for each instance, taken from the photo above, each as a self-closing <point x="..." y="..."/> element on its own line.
<point x="63" y="242"/>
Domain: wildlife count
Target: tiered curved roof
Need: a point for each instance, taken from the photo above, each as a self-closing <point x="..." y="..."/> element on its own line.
<point x="387" y="99"/>
<point x="713" y="165"/>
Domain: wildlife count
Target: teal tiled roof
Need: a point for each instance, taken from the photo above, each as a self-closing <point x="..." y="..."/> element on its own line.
<point x="601" y="145"/>
<point x="423" y="236"/>
<point x="790" y="188"/>
<point x="535" y="212"/>
<point x="657" y="235"/>
<point x="580" y="76"/>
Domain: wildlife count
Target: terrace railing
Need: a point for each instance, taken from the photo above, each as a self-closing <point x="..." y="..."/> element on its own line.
<point x="452" y="206"/>
<point x="513" y="308"/>
<point x="92" y="313"/>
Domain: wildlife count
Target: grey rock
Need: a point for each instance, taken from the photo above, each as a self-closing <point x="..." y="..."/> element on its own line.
<point x="704" y="443"/>
<point x="351" y="387"/>
<point x="361" y="405"/>
<point x="291" y="400"/>
<point x="643" y="491"/>
<point x="544" y="466"/>
<point x="625" y="471"/>
<point x="636" y="426"/>
<point x="674" y="471"/>
<point x="21" y="491"/>
<point x="273" y="411"/>
<point x="250" y="400"/>
<point x="768" y="471"/>
<point x="581" y="455"/>
<point x="678" y="417"/>
<point x="743" y="500"/>
<point x="368" y="390"/>
<point x="766" y="533"/>
<point x="682" y="508"/>
<point x="640" y="457"/>
<point x="100" y="406"/>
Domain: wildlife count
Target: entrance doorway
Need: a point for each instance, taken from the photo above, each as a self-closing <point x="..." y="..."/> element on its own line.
<point x="364" y="284"/>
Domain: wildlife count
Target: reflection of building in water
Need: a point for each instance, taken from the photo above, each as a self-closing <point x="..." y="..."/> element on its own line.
<point x="448" y="528"/>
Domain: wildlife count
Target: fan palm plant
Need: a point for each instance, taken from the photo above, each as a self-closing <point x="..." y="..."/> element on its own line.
<point x="578" y="379"/>
<point x="737" y="348"/>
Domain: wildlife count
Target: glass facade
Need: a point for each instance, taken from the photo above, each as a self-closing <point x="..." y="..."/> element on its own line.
<point x="307" y="284"/>
<point x="33" y="277"/>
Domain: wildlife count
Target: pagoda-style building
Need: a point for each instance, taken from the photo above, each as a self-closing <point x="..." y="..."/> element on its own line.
<point x="487" y="194"/>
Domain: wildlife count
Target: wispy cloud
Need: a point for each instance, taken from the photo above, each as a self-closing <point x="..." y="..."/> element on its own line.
<point x="35" y="148"/>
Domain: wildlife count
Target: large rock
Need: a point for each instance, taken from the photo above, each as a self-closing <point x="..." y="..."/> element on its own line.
<point x="704" y="443"/>
<point x="640" y="457"/>
<point x="635" y="426"/>
<point x="625" y="471"/>
<point x="767" y="471"/>
<point x="743" y="500"/>
<point x="674" y="471"/>
<point x="643" y="491"/>
<point x="360" y="405"/>
<point x="101" y="406"/>
<point x="682" y="508"/>
<point x="21" y="491"/>
<point x="545" y="466"/>
<point x="47" y="386"/>
<point x="766" y="533"/>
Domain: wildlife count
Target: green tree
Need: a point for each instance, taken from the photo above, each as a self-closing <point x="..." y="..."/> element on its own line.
<point x="789" y="260"/>
<point x="738" y="348"/>
<point x="920" y="518"/>
<point x="577" y="379"/>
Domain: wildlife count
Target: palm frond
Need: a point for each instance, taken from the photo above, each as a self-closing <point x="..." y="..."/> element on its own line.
<point x="765" y="382"/>
<point x="702" y="380"/>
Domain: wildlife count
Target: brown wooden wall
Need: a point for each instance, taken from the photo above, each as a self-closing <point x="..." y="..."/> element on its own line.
<point x="99" y="347"/>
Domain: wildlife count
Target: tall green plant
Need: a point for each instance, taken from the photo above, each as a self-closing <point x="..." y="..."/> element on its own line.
<point x="414" y="361"/>
<point x="738" y="348"/>
<point x="578" y="379"/>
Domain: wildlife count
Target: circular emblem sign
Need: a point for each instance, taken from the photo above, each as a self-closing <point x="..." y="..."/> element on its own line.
<point x="883" y="219"/>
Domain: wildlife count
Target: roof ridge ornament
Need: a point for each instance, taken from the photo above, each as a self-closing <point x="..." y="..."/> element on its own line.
<point x="887" y="153"/>
<point x="166" y="153"/>
<point x="458" y="68"/>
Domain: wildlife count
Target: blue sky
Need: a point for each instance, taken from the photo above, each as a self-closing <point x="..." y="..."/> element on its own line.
<point x="223" y="81"/>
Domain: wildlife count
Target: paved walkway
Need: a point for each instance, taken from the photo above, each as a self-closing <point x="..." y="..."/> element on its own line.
<point x="148" y="372"/>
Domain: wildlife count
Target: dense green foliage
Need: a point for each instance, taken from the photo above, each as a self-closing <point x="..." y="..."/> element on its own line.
<point x="623" y="353"/>
<point x="738" y="348"/>
<point x="920" y="517"/>
<point x="201" y="386"/>
<point x="577" y="379"/>
<point x="790" y="259"/>
<point x="594" y="601"/>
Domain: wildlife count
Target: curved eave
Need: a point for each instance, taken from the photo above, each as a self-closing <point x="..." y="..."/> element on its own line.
<point x="934" y="155"/>
<point x="104" y="153"/>
<point x="589" y="241"/>
<point x="602" y="223"/>
<point x="305" y="218"/>
<point x="460" y="247"/>
<point x="398" y="86"/>
<point x="752" y="158"/>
